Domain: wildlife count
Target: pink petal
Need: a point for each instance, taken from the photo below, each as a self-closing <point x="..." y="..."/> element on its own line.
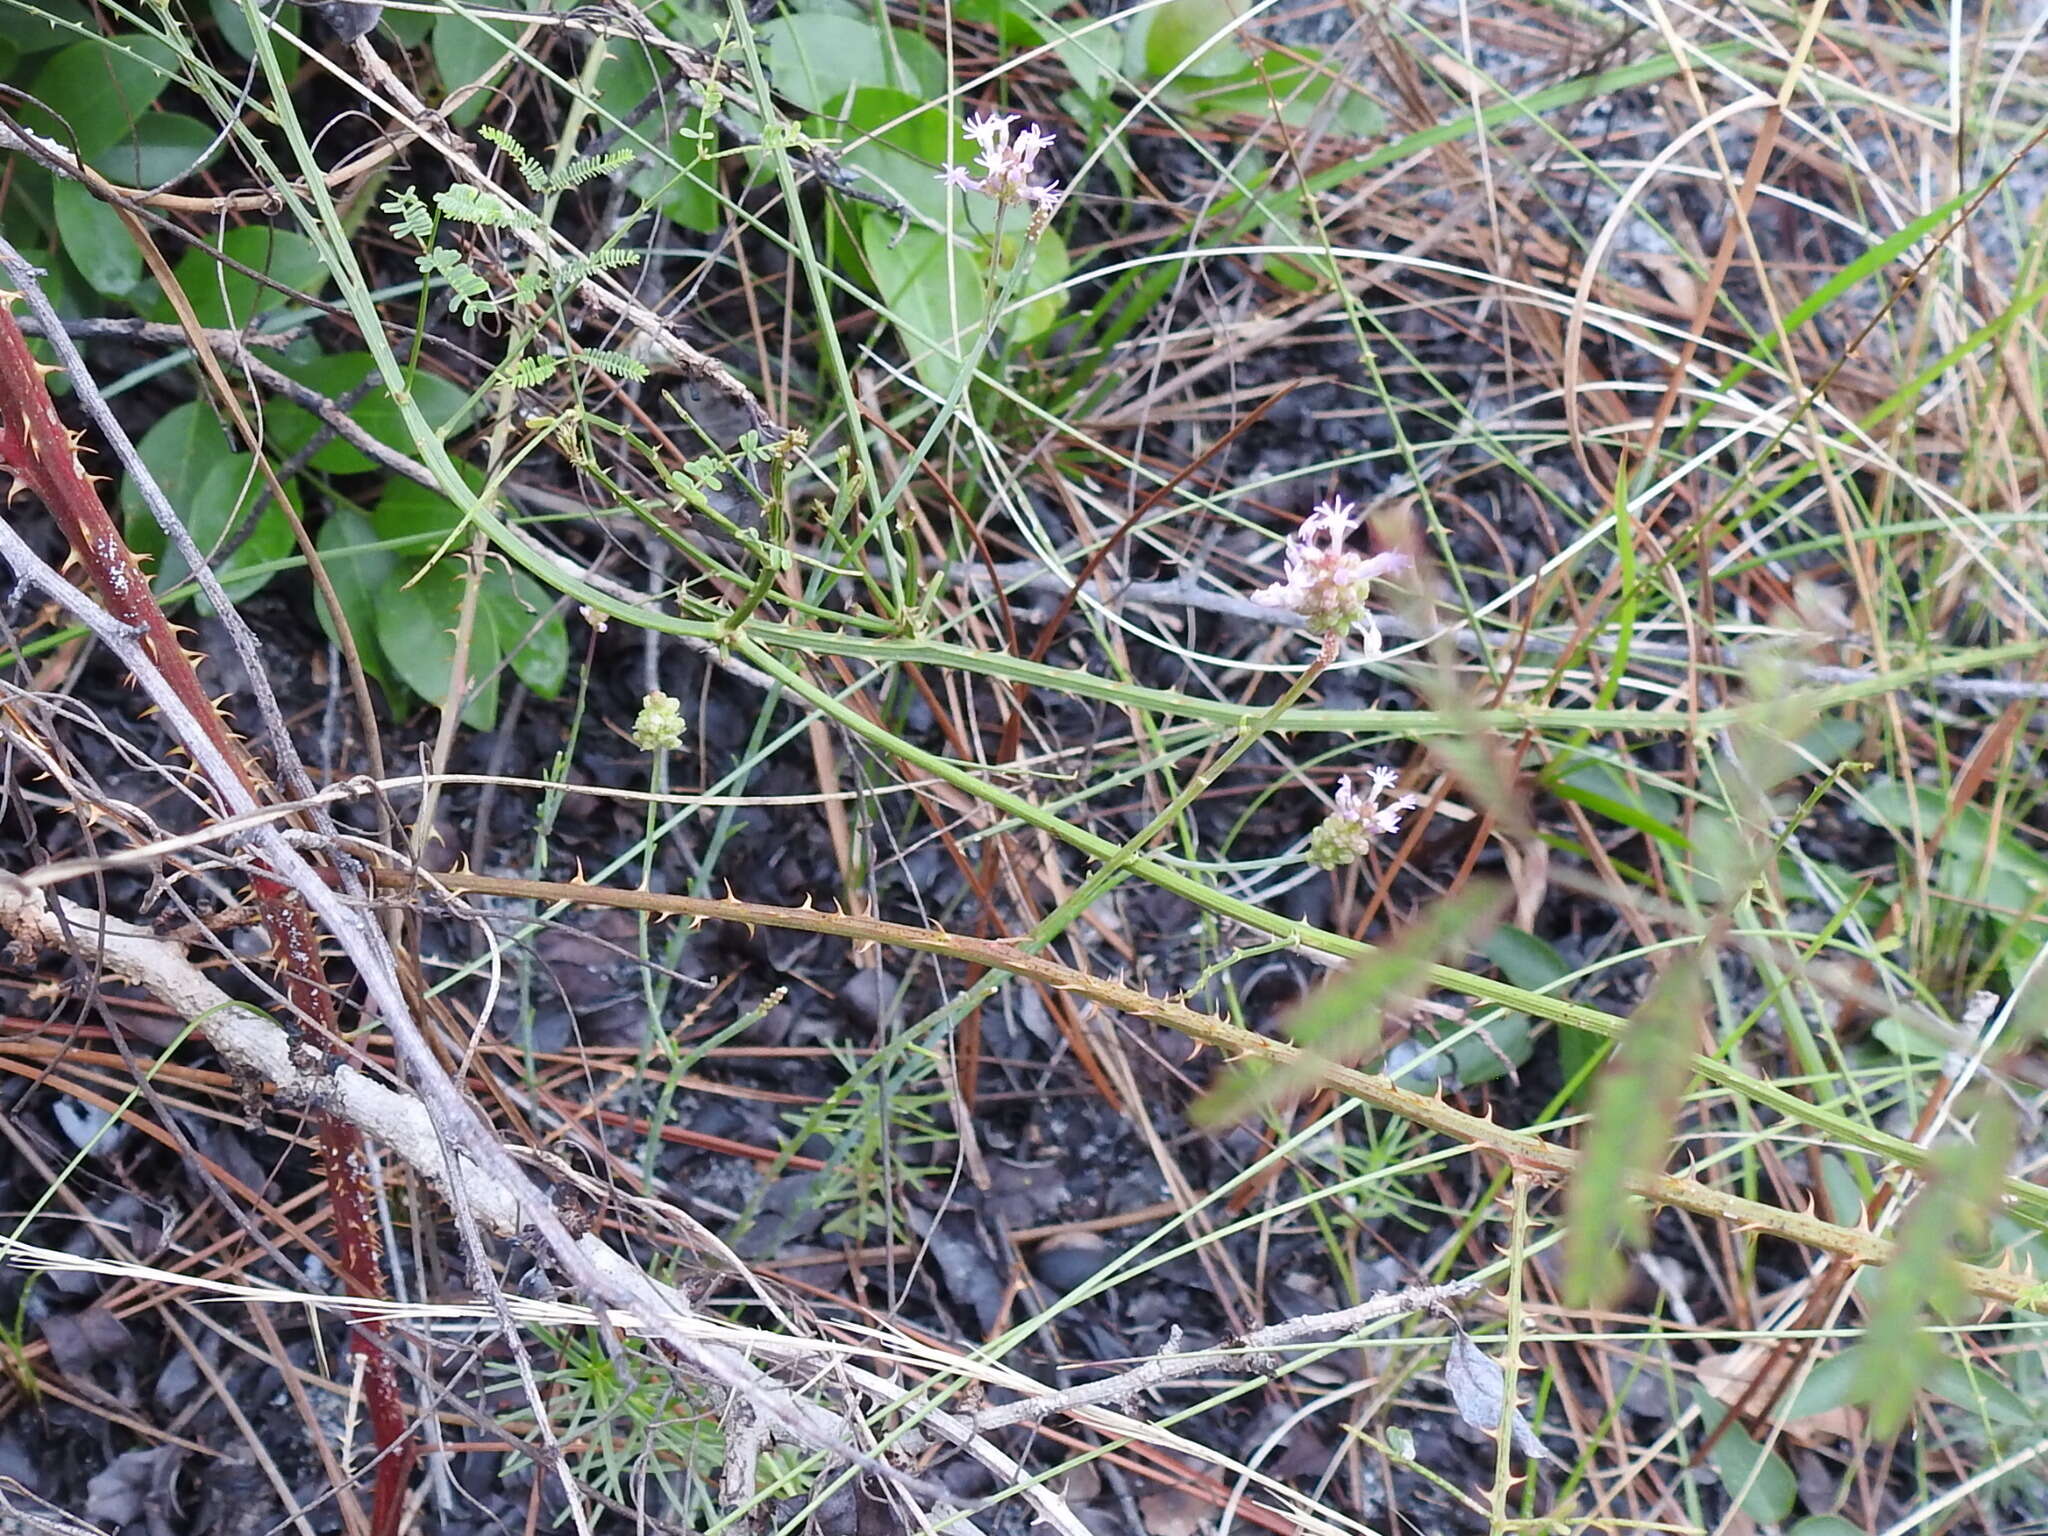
<point x="1390" y="562"/>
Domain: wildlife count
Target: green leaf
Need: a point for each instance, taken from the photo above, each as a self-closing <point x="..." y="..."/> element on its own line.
<point x="443" y="404"/>
<point x="1477" y="1053"/>
<point x="1014" y="25"/>
<point x="1635" y="1100"/>
<point x="1903" y="1040"/>
<point x="178" y="450"/>
<point x="166" y="147"/>
<point x="816" y="60"/>
<point x="467" y="51"/>
<point x="1531" y="963"/>
<point x="416" y="615"/>
<point x="36" y="26"/>
<point x="210" y="487"/>
<point x="424" y="518"/>
<point x="1742" y="1464"/>
<point x="226" y="298"/>
<point x="936" y="294"/>
<point x="361" y="573"/>
<point x="416" y="628"/>
<point x="229" y="490"/>
<point x="1827" y="1525"/>
<point x="234" y="24"/>
<point x="1179" y="33"/>
<point x="1091" y="60"/>
<point x="98" y="90"/>
<point x="96" y="240"/>
<point x="672" y="172"/>
<point x="409" y="28"/>
<point x="1040" y="301"/>
<point x="900" y="139"/>
<point x="518" y="607"/>
<point x="1973" y="1388"/>
<point x="1831" y="1384"/>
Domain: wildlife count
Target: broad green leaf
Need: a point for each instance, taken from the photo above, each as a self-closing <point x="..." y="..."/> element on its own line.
<point x="1340" y="1022"/>
<point x="98" y="90"/>
<point x="688" y="23"/>
<point x="1476" y="1053"/>
<point x="229" y="491"/>
<point x="676" y="176"/>
<point x="96" y="240"/>
<point x="226" y="298"/>
<point x="1531" y="963"/>
<point x="624" y="80"/>
<point x="291" y="427"/>
<point x="412" y="512"/>
<point x="1091" y="59"/>
<point x="416" y="629"/>
<point x="519" y="607"/>
<point x="178" y="450"/>
<point x="1848" y="1184"/>
<point x="1977" y="1391"/>
<point x="1830" y="1385"/>
<point x="234" y="24"/>
<point x="1828" y="1525"/>
<point x="467" y="51"/>
<point x="1902" y="1039"/>
<point x="816" y="59"/>
<point x="1635" y="1100"/>
<point x="210" y="487"/>
<point x="361" y="573"/>
<point x="1023" y="25"/>
<point x="901" y="140"/>
<point x="37" y="26"/>
<point x="1040" y="301"/>
<point x="1196" y="38"/>
<point x="686" y="190"/>
<point x="416" y="615"/>
<point x="166" y="147"/>
<point x="409" y="28"/>
<point x="1014" y="23"/>
<point x="936" y="294"/>
<point x="1769" y="1490"/>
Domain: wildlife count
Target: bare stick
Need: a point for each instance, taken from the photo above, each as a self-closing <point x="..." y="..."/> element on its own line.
<point x="1252" y="1352"/>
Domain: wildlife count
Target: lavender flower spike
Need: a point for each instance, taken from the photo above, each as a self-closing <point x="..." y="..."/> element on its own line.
<point x="1008" y="163"/>
<point x="1346" y="834"/>
<point x="1328" y="584"/>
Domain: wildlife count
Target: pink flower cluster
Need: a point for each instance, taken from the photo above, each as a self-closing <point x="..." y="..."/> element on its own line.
<point x="1007" y="165"/>
<point x="1348" y="832"/>
<point x="1328" y="584"/>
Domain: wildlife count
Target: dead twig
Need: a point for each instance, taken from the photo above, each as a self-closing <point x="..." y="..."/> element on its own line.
<point x="1251" y="1352"/>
